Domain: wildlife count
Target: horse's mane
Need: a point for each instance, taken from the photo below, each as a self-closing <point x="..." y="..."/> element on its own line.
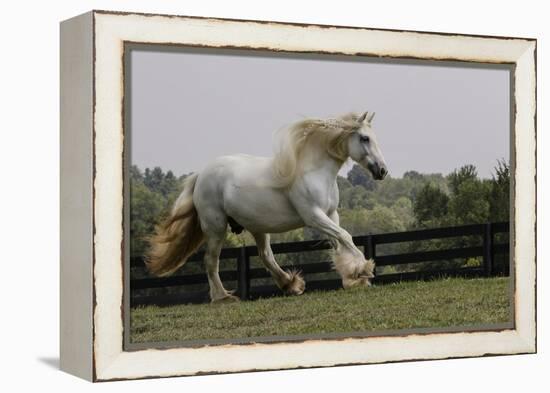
<point x="332" y="133"/>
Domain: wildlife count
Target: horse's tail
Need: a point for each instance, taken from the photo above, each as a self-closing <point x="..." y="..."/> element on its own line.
<point x="178" y="236"/>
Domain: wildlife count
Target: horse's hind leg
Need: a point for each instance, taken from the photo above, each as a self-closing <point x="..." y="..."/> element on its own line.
<point x="214" y="225"/>
<point x="290" y="282"/>
<point x="212" y="262"/>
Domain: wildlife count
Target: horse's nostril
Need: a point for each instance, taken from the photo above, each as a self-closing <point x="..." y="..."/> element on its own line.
<point x="383" y="171"/>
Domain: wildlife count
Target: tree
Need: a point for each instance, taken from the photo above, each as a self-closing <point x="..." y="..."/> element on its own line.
<point x="146" y="208"/>
<point x="499" y="205"/>
<point x="469" y="203"/>
<point x="403" y="209"/>
<point x="153" y="178"/>
<point x="343" y="183"/>
<point x="151" y="196"/>
<point x="158" y="181"/>
<point x="499" y="200"/>
<point x="413" y="175"/>
<point x="358" y="176"/>
<point x="169" y="184"/>
<point x="466" y="172"/>
<point x="135" y="174"/>
<point x="356" y="197"/>
<point x="430" y="206"/>
<point x="379" y="219"/>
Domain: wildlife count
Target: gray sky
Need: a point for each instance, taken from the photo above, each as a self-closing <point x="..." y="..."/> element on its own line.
<point x="188" y="107"/>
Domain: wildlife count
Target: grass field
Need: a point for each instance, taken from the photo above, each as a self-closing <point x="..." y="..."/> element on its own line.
<point x="419" y="304"/>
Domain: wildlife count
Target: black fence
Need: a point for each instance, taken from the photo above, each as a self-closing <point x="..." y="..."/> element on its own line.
<point x="487" y="249"/>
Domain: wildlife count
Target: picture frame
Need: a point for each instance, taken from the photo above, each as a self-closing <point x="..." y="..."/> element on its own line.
<point x="94" y="195"/>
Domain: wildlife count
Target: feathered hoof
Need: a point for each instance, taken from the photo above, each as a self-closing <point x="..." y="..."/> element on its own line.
<point x="361" y="281"/>
<point x="296" y="285"/>
<point x="360" y="276"/>
<point x="229" y="298"/>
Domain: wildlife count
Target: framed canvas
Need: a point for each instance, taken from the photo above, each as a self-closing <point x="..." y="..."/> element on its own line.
<point x="425" y="251"/>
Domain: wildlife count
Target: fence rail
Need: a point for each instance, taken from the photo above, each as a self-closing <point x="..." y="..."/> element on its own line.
<point x="244" y="274"/>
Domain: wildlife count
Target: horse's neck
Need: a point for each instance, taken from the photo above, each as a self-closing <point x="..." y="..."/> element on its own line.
<point x="316" y="159"/>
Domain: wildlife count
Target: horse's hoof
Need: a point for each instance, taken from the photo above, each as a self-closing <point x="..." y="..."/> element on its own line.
<point x="296" y="285"/>
<point x="361" y="281"/>
<point x="226" y="299"/>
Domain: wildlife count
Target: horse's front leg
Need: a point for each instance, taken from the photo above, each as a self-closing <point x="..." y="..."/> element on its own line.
<point x="348" y="260"/>
<point x="290" y="282"/>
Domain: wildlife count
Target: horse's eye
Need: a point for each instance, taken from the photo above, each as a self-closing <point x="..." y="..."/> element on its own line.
<point x="364" y="139"/>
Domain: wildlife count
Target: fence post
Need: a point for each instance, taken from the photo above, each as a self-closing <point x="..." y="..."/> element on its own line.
<point x="370" y="250"/>
<point x="488" y="249"/>
<point x="243" y="279"/>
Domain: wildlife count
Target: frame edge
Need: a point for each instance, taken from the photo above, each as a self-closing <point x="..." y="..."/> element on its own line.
<point x="76" y="204"/>
<point x="111" y="370"/>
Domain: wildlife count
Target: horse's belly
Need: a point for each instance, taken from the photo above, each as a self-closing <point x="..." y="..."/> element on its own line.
<point x="261" y="210"/>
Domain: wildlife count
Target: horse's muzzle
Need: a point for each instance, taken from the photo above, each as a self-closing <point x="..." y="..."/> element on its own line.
<point x="379" y="172"/>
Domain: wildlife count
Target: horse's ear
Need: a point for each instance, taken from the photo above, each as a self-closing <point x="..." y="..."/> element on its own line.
<point x="363" y="117"/>
<point x="370" y="117"/>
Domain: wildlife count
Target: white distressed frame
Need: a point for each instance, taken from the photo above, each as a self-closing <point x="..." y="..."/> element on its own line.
<point x="110" y="31"/>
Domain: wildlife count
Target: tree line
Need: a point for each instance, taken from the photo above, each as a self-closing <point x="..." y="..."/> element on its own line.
<point x="414" y="201"/>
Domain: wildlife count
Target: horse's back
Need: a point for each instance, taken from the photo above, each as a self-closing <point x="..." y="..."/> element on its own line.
<point x="241" y="170"/>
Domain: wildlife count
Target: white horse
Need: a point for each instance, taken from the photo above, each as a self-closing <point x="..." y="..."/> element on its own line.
<point x="295" y="188"/>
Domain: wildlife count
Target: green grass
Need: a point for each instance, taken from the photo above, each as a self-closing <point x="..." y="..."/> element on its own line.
<point x="420" y="304"/>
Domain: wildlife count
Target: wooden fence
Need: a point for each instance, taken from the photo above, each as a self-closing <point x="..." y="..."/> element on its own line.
<point x="244" y="274"/>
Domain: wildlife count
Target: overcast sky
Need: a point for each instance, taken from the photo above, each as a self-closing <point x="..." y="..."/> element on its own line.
<point x="188" y="107"/>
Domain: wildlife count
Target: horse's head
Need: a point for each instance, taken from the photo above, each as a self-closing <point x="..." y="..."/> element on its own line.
<point x="363" y="148"/>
